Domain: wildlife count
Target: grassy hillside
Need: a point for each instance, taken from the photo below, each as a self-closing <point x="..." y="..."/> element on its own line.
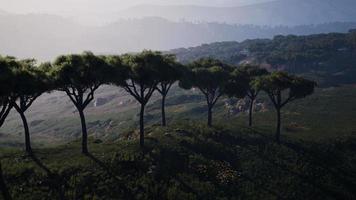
<point x="187" y="160"/>
<point x="326" y="58"/>
<point x="328" y="113"/>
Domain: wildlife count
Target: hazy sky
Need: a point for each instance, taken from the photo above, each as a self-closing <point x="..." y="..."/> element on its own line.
<point x="68" y="6"/>
<point x="97" y="12"/>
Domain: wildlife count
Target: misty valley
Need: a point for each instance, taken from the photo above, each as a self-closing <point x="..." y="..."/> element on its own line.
<point x="178" y="100"/>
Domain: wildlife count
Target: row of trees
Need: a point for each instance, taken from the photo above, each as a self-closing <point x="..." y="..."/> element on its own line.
<point x="80" y="75"/>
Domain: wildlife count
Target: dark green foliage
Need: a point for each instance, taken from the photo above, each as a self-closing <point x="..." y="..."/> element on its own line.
<point x="143" y="77"/>
<point x="6" y="78"/>
<point x="325" y="55"/>
<point x="28" y="82"/>
<point x="169" y="72"/>
<point x="79" y="76"/>
<point x="143" y="67"/>
<point x="251" y="73"/>
<point x="189" y="162"/>
<point x="241" y="84"/>
<point x="278" y="84"/>
<point x="119" y="71"/>
<point x="328" y="58"/>
<point x="29" y="79"/>
<point x="83" y="71"/>
<point x="211" y="77"/>
<point x="21" y="82"/>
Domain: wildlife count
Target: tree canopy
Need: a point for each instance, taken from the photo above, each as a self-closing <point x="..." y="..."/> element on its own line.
<point x="82" y="72"/>
<point x="79" y="76"/>
<point x="6" y="84"/>
<point x="211" y="77"/>
<point x="283" y="88"/>
<point x="29" y="81"/>
<point x="143" y="69"/>
<point x="278" y="82"/>
<point x="169" y="72"/>
<point x="242" y="84"/>
<point x="143" y="77"/>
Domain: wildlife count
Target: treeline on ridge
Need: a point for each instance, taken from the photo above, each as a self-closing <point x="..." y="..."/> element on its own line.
<point x="328" y="58"/>
<point x="140" y="75"/>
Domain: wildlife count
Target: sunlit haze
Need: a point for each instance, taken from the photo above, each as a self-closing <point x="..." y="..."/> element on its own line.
<point x="21" y="6"/>
<point x="177" y="99"/>
<point x="107" y="26"/>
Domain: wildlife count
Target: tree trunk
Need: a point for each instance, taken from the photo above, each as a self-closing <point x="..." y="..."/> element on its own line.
<point x="278" y="130"/>
<point x="84" y="132"/>
<point x="142" y="127"/>
<point x="4" y="190"/>
<point x="210" y="115"/>
<point x="163" y="110"/>
<point x="27" y="132"/>
<point x="250" y="111"/>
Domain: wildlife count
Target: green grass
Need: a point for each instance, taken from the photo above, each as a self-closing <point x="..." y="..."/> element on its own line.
<point x="328" y="113"/>
<point x="187" y="160"/>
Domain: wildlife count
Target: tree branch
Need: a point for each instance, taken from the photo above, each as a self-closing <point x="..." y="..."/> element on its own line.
<point x="72" y="99"/>
<point x="271" y="96"/>
<point x="169" y="86"/>
<point x="31" y="100"/>
<point x="217" y="98"/>
<point x="88" y="99"/>
<point x="203" y="91"/>
<point x="162" y="89"/>
<point x="6" y="107"/>
<point x="134" y="88"/>
<point x="128" y="89"/>
<point x="90" y="96"/>
<point x="287" y="101"/>
<point x="149" y="94"/>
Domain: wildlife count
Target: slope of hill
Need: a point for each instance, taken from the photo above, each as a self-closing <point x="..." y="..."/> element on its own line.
<point x="280" y="12"/>
<point x="328" y="58"/>
<point x="333" y="64"/>
<point x="187" y="161"/>
<point x="53" y="120"/>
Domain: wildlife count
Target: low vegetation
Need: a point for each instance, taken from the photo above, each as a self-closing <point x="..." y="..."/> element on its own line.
<point x="187" y="160"/>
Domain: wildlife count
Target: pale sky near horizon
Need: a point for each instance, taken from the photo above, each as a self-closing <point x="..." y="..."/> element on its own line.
<point x="67" y="6"/>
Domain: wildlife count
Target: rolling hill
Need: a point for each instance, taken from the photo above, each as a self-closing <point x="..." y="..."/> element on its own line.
<point x="115" y="113"/>
<point x="46" y="36"/>
<point x="187" y="161"/>
<point x="279" y="12"/>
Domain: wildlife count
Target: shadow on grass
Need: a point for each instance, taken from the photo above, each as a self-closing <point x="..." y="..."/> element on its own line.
<point x="4" y="190"/>
<point x="296" y="159"/>
<point x="57" y="183"/>
<point x="321" y="159"/>
<point x="209" y="152"/>
<point x="314" y="158"/>
<point x="126" y="191"/>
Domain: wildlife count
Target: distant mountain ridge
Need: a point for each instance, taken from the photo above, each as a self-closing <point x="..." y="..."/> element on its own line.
<point x="46" y="36"/>
<point x="279" y="12"/>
